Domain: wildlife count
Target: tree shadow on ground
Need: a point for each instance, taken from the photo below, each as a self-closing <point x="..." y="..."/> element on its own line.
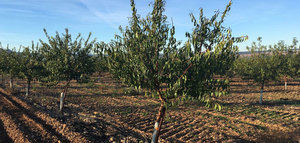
<point x="278" y="103"/>
<point x="72" y="95"/>
<point x="277" y="136"/>
<point x="236" y="139"/>
<point x="29" y="113"/>
<point x="95" y="130"/>
<point x="113" y="127"/>
<point x="265" y="103"/>
<point x="3" y="134"/>
<point x="258" y="91"/>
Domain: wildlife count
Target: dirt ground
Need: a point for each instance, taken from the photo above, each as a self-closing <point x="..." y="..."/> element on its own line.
<point x="106" y="111"/>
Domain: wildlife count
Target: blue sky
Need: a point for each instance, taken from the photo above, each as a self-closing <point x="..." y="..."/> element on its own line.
<point x="23" y="20"/>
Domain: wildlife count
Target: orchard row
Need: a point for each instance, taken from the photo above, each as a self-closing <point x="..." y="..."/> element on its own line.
<point x="147" y="56"/>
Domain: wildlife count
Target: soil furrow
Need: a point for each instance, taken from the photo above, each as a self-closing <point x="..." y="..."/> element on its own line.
<point x="37" y="123"/>
<point x="174" y="130"/>
<point x="116" y="121"/>
<point x="188" y="128"/>
<point x="242" y="119"/>
<point x="51" y="125"/>
<point x="13" y="129"/>
<point x="4" y="137"/>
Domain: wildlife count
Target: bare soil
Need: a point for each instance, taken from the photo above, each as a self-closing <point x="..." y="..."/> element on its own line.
<point x="106" y="111"/>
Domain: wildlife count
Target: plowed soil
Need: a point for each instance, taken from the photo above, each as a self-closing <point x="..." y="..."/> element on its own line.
<point x="106" y="111"/>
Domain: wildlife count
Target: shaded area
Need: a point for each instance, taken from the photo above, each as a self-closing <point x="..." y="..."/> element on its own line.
<point x="3" y="135"/>
<point x="237" y="139"/>
<point x="31" y="135"/>
<point x="265" y="103"/>
<point x="94" y="129"/>
<point x="277" y="136"/>
<point x="258" y="91"/>
<point x="279" y="103"/>
<point x="47" y="127"/>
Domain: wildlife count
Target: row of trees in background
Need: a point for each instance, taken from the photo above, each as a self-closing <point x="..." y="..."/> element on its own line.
<point x="147" y="56"/>
<point x="269" y="63"/>
<point x="58" y="60"/>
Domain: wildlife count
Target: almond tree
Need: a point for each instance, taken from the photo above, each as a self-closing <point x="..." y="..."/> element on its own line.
<point x="294" y="59"/>
<point x="100" y="58"/>
<point x="66" y="59"/>
<point x="262" y="66"/>
<point x="288" y="56"/>
<point x="148" y="56"/>
<point x="213" y="52"/>
<point x="12" y="63"/>
<point x="2" y="64"/>
<point x="144" y="56"/>
<point x="31" y="65"/>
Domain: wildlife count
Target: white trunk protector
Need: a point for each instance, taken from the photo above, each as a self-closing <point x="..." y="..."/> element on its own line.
<point x="285" y="85"/>
<point x="61" y="104"/>
<point x="154" y="136"/>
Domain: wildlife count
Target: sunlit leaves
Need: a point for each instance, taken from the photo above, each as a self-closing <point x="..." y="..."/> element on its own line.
<point x="211" y="51"/>
<point x="262" y="66"/>
<point x="31" y="63"/>
<point x="67" y="59"/>
<point x="147" y="55"/>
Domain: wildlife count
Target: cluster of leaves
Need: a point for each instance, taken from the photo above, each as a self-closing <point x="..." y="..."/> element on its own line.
<point x="31" y="63"/>
<point x="210" y="52"/>
<point x="145" y="55"/>
<point x="12" y="62"/>
<point x="67" y="60"/>
<point x="99" y="57"/>
<point x="3" y="67"/>
<point x="148" y="56"/>
<point x="289" y="57"/>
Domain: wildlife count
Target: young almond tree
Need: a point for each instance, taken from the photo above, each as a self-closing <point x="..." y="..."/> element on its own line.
<point x="144" y="56"/>
<point x="288" y="56"/>
<point x="12" y="63"/>
<point x="262" y="66"/>
<point x="66" y="59"/>
<point x="31" y="65"/>
<point x="294" y="59"/>
<point x="213" y="52"/>
<point x="100" y="58"/>
<point x="148" y="56"/>
<point x="2" y="64"/>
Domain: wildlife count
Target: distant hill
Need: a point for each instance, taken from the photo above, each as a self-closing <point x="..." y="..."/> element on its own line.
<point x="247" y="53"/>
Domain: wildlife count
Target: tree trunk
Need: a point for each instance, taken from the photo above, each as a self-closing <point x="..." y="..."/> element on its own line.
<point x="261" y="94"/>
<point x="285" y="83"/>
<point x="61" y="103"/>
<point x="158" y="123"/>
<point x="28" y="87"/>
<point x="11" y="84"/>
<point x="62" y="96"/>
<point x="2" y="80"/>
